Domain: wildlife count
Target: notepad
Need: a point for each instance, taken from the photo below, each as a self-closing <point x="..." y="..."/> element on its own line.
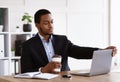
<point x="36" y="75"/>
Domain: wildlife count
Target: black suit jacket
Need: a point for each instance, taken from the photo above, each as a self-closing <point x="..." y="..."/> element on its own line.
<point x="34" y="56"/>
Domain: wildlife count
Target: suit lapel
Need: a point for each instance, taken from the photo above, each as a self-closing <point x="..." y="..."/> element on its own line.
<point x="40" y="48"/>
<point x="54" y="46"/>
<point x="54" y="42"/>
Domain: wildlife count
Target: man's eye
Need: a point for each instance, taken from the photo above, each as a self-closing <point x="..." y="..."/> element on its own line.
<point x="45" y="23"/>
<point x="52" y="22"/>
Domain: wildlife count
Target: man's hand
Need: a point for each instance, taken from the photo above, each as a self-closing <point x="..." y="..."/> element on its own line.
<point x="49" y="68"/>
<point x="114" y="50"/>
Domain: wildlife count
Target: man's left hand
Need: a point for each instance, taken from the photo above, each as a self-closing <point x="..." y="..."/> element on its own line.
<point x="114" y="50"/>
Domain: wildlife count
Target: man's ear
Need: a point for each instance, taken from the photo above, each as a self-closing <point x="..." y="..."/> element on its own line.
<point x="37" y="25"/>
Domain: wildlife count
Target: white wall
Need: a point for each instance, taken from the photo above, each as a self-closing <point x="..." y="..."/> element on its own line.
<point x="85" y="22"/>
<point x="115" y="27"/>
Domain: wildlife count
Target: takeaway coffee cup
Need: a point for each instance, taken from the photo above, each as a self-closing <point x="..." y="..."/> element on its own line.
<point x="56" y="58"/>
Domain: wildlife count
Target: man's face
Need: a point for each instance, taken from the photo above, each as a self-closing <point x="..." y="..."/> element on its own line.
<point x="45" y="26"/>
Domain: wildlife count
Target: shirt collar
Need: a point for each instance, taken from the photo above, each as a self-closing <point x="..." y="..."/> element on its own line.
<point x="42" y="38"/>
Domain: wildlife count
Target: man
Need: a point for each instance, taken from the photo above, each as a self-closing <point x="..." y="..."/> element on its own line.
<point x="38" y="51"/>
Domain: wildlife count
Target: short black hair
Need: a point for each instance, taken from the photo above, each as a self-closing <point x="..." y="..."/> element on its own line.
<point x="39" y="13"/>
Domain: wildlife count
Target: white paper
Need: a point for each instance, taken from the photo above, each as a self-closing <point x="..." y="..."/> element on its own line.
<point x="116" y="70"/>
<point x="37" y="75"/>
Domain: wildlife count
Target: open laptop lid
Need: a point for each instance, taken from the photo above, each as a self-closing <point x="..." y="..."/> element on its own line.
<point x="101" y="62"/>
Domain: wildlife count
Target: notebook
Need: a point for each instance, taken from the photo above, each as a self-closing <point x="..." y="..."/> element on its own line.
<point x="101" y="63"/>
<point x="36" y="75"/>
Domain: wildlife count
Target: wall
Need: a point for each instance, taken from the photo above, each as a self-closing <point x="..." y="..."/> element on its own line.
<point x="115" y="27"/>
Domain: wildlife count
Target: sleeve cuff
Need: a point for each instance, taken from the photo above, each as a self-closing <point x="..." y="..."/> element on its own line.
<point x="40" y="70"/>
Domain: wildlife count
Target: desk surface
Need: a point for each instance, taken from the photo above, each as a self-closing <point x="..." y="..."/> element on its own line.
<point x="111" y="77"/>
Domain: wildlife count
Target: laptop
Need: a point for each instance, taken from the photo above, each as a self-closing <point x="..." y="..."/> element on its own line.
<point x="101" y="63"/>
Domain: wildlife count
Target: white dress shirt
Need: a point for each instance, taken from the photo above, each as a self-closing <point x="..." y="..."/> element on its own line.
<point x="48" y="47"/>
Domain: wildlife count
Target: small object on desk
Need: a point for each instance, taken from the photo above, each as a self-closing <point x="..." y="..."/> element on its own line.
<point x="66" y="76"/>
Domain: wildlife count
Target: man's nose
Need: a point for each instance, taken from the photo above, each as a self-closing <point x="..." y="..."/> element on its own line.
<point x="51" y="25"/>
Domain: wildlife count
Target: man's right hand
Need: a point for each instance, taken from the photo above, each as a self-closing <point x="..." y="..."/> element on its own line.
<point x="49" y="68"/>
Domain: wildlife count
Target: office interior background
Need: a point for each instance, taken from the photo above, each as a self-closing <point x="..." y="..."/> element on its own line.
<point x="86" y="23"/>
